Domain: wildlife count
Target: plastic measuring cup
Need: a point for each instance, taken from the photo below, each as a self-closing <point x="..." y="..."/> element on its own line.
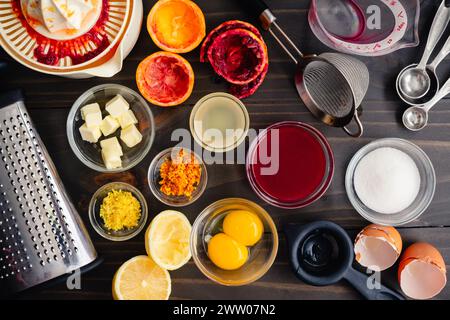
<point x="365" y="27"/>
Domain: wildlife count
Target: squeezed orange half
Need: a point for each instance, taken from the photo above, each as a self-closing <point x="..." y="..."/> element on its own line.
<point x="176" y="25"/>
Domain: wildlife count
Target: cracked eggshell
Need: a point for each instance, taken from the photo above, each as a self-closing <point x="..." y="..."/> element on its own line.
<point x="378" y="247"/>
<point x="422" y="271"/>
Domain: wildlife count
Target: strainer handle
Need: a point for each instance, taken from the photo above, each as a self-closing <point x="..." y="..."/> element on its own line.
<point x="261" y="10"/>
<point x="267" y="19"/>
<point x="360" y="131"/>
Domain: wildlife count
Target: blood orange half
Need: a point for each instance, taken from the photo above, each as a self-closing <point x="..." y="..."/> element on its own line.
<point x="238" y="55"/>
<point x="176" y="25"/>
<point x="165" y="79"/>
<point x="246" y="90"/>
<point x="228" y="25"/>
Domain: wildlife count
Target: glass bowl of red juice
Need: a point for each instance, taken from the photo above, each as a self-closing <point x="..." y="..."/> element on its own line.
<point x="290" y="165"/>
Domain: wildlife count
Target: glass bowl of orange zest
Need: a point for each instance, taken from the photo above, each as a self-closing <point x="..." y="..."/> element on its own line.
<point x="177" y="176"/>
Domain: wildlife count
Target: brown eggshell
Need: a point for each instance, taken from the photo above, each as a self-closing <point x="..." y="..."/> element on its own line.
<point x="378" y="247"/>
<point x="422" y="271"/>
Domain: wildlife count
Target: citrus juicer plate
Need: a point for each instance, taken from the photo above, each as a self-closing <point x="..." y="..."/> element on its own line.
<point x="35" y="50"/>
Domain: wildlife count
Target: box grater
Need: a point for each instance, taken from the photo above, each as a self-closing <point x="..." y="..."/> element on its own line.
<point x="41" y="234"/>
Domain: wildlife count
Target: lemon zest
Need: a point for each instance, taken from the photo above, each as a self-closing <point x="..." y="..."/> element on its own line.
<point x="120" y="210"/>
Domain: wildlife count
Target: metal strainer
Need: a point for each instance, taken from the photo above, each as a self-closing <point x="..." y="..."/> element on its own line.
<point x="41" y="234"/>
<point x="331" y="85"/>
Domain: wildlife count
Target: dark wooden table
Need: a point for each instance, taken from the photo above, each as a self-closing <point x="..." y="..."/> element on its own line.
<point x="49" y="99"/>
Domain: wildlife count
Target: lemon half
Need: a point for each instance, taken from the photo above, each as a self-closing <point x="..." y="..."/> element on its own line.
<point x="140" y="278"/>
<point x="167" y="240"/>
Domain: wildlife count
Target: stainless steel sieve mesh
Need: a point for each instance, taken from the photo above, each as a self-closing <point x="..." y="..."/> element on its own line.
<point x="328" y="89"/>
<point x="41" y="234"/>
<point x="354" y="71"/>
<point x="332" y="86"/>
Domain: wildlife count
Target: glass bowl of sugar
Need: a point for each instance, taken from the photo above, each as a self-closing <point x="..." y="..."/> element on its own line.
<point x="390" y="181"/>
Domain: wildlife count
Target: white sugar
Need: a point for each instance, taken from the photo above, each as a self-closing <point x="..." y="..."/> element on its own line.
<point x="387" y="180"/>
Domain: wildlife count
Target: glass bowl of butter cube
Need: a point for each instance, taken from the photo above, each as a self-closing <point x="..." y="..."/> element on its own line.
<point x="110" y="128"/>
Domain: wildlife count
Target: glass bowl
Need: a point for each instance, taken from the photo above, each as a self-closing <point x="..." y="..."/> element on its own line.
<point x="90" y="153"/>
<point x="426" y="191"/>
<point x="261" y="257"/>
<point x="97" y="221"/>
<point x="211" y="100"/>
<point x="154" y="178"/>
<point x="314" y="195"/>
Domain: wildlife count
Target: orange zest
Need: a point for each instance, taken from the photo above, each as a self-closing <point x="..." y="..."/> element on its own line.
<point x="180" y="175"/>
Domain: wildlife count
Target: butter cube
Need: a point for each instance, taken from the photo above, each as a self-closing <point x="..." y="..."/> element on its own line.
<point x="111" y="162"/>
<point x="127" y="118"/>
<point x="111" y="153"/>
<point x="90" y="134"/>
<point x="93" y="119"/>
<point x="109" y="125"/>
<point x="111" y="147"/>
<point x="131" y="136"/>
<point x="116" y="106"/>
<point x="89" y="108"/>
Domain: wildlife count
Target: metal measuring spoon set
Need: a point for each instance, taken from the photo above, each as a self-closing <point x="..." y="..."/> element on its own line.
<point x="418" y="84"/>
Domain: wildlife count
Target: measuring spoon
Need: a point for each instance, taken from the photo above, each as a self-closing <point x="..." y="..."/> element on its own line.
<point x="416" y="118"/>
<point x="431" y="70"/>
<point x="414" y="81"/>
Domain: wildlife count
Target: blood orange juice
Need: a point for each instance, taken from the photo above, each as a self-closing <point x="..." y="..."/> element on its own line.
<point x="290" y="165"/>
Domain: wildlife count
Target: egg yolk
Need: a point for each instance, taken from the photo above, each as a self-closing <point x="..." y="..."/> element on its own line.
<point x="243" y="226"/>
<point x="227" y="253"/>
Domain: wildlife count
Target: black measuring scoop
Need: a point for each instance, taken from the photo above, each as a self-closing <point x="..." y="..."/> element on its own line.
<point x="321" y="254"/>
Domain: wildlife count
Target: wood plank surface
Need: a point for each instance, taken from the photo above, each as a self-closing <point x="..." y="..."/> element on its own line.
<point x="49" y="99"/>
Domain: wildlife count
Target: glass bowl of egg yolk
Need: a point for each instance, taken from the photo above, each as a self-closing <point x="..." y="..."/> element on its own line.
<point x="234" y="242"/>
